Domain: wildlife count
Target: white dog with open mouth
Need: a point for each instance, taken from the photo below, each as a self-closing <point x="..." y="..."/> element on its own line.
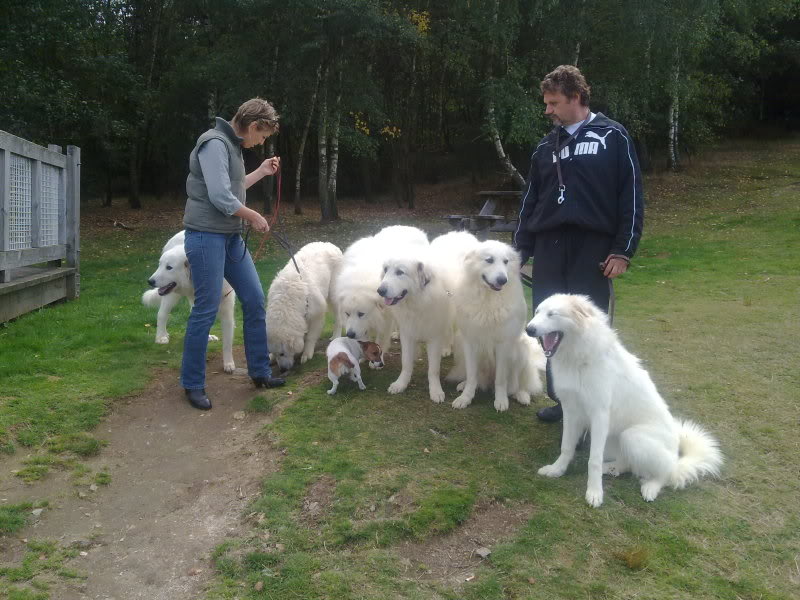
<point x="417" y="285"/>
<point x="603" y="387"/>
<point x="491" y="313"/>
<point x="362" y="312"/>
<point x="298" y="301"/>
<point x="171" y="282"/>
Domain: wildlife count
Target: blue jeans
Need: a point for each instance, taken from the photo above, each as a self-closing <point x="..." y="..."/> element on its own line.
<point x="212" y="258"/>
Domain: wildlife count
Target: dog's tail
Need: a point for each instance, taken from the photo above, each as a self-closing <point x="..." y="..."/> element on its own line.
<point x="151" y="298"/>
<point x="699" y="454"/>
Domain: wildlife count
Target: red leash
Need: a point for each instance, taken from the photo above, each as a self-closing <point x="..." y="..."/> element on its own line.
<point x="257" y="253"/>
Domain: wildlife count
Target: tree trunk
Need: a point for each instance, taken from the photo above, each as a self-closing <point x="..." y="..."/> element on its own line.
<point x="366" y="179"/>
<point x="333" y="150"/>
<point x="518" y="180"/>
<point x="134" y="201"/>
<point x="298" y="209"/>
<point x="322" y="148"/>
<point x="673" y="158"/>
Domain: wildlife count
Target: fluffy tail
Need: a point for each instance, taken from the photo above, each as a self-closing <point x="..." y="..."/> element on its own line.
<point x="699" y="454"/>
<point x="151" y="298"/>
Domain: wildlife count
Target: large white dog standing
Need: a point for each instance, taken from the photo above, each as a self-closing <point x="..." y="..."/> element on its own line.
<point x="298" y="301"/>
<point x="418" y="286"/>
<point x="491" y="309"/>
<point x="362" y="311"/>
<point x="172" y="281"/>
<point x="603" y="387"/>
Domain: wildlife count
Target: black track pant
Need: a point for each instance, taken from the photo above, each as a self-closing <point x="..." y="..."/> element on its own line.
<point x="566" y="261"/>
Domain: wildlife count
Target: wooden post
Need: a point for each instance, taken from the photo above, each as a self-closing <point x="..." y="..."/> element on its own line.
<point x="5" y="202"/>
<point x="73" y="206"/>
<point x="62" y="238"/>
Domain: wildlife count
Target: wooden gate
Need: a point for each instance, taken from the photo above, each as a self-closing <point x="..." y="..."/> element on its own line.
<point x="39" y="225"/>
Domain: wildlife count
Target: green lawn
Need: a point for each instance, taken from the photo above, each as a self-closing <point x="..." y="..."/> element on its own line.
<point x="711" y="307"/>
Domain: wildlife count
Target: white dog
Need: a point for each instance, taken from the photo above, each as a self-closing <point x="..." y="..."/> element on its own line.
<point x="603" y="387"/>
<point x="362" y="311"/>
<point x="526" y="363"/>
<point x="491" y="309"/>
<point x="417" y="284"/>
<point x="344" y="355"/>
<point x="172" y="281"/>
<point x="298" y="301"/>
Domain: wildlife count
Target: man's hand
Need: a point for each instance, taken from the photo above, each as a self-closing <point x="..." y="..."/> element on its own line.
<point x="614" y="265"/>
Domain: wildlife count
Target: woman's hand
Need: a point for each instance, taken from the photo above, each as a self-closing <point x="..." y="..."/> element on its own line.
<point x="270" y="166"/>
<point x="259" y="223"/>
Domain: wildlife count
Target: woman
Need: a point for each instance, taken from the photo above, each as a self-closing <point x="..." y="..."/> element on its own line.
<point x="215" y="209"/>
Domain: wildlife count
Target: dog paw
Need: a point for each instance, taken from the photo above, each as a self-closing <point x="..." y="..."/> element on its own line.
<point x="306" y="356"/>
<point x="594" y="497"/>
<point x="462" y="402"/>
<point x="331" y="392"/>
<point x="447" y="351"/>
<point x="460" y="386"/>
<point x="523" y="398"/>
<point x="162" y="339"/>
<point x="229" y="367"/>
<point x="501" y="404"/>
<point x="551" y="471"/>
<point x="437" y="396"/>
<point x="650" y="490"/>
<point x="611" y="468"/>
<point x="397" y="387"/>
<point x="212" y="338"/>
<point x="362" y="387"/>
<point x="376" y="365"/>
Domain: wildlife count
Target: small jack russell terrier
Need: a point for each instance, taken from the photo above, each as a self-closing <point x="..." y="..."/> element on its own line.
<point x="344" y="354"/>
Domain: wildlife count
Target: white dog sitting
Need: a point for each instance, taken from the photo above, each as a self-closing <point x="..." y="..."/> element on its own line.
<point x="491" y="309"/>
<point x="603" y="387"/>
<point x="171" y="282"/>
<point x="297" y="302"/>
<point x="344" y="355"/>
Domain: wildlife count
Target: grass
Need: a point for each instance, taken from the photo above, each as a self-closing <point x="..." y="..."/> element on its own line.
<point x="711" y="308"/>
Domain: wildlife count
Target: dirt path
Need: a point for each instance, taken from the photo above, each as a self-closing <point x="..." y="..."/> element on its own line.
<point x="181" y="479"/>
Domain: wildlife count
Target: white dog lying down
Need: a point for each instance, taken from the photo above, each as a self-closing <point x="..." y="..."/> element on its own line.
<point x="344" y="356"/>
<point x="603" y="387"/>
<point x="172" y="281"/>
<point x="417" y="284"/>
<point x="297" y="303"/>
<point x="491" y="312"/>
<point x="363" y="312"/>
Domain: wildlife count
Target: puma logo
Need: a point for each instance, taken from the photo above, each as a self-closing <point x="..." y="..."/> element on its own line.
<point x="592" y="134"/>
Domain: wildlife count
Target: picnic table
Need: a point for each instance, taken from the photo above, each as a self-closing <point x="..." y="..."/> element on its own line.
<point x="498" y="214"/>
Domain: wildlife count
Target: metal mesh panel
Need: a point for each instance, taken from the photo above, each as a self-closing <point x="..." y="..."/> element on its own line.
<point x="19" y="229"/>
<point x="48" y="205"/>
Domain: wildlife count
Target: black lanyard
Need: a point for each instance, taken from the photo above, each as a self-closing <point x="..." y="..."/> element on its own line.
<point x="559" y="148"/>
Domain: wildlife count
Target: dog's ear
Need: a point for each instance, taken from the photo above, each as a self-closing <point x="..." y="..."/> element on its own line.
<point x="423" y="274"/>
<point x="582" y="310"/>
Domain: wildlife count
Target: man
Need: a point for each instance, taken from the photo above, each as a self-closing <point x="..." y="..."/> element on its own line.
<point x="582" y="211"/>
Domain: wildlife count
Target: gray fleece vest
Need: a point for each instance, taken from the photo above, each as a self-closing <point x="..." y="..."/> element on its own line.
<point x="200" y="214"/>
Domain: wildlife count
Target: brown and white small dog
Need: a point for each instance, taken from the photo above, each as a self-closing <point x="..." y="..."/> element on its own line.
<point x="344" y="356"/>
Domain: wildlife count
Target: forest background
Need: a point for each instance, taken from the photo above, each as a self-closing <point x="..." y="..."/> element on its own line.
<point x="378" y="95"/>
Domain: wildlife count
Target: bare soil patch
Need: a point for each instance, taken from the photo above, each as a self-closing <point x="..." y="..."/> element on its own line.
<point x="452" y="559"/>
<point x="181" y="480"/>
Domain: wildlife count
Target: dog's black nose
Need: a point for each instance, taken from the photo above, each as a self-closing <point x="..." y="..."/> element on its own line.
<point x="351" y="334"/>
<point x="151" y="282"/>
<point x="501" y="281"/>
<point x="382" y="291"/>
<point x="531" y="330"/>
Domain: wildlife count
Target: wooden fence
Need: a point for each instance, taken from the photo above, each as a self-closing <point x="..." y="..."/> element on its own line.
<point x="39" y="225"/>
